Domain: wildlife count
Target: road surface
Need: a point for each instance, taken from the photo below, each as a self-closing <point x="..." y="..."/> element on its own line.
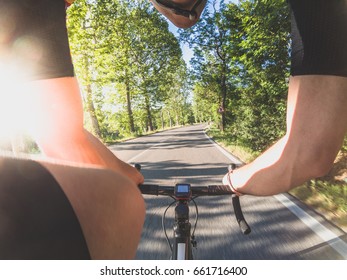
<point x="282" y="227"/>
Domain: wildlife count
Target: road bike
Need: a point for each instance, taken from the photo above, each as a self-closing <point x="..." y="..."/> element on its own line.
<point x="182" y="194"/>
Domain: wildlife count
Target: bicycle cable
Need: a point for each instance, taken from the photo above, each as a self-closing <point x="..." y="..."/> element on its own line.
<point x="194" y="243"/>
<point x="164" y="227"/>
<point x="194" y="228"/>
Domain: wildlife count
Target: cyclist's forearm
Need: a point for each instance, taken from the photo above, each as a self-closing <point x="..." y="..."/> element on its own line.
<point x="316" y="125"/>
<point x="269" y="174"/>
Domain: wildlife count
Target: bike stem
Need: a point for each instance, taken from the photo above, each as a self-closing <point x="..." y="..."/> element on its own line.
<point x="182" y="231"/>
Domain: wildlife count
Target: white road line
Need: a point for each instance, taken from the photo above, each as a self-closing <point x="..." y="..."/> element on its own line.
<point x="232" y="158"/>
<point x="324" y="233"/>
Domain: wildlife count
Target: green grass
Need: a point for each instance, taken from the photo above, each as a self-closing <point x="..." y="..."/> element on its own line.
<point x="327" y="198"/>
<point x="227" y="141"/>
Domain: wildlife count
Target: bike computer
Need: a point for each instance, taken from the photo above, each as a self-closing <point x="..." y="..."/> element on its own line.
<point x="182" y="191"/>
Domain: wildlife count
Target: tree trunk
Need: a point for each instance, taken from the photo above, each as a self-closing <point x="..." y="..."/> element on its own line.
<point x="89" y="100"/>
<point x="130" y="111"/>
<point x="170" y="118"/>
<point x="177" y="119"/>
<point x="162" y="119"/>
<point x="149" y="116"/>
<point x="92" y="113"/>
<point x="224" y="96"/>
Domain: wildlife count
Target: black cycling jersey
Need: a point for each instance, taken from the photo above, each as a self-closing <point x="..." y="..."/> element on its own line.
<point x="319" y="37"/>
<point x="37" y="221"/>
<point x="34" y="37"/>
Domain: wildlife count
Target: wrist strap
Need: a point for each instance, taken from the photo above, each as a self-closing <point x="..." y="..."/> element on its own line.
<point x="231" y="185"/>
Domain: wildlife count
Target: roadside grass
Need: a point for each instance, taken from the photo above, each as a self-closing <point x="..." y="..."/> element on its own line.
<point x="327" y="198"/>
<point x="326" y="195"/>
<point x="227" y="142"/>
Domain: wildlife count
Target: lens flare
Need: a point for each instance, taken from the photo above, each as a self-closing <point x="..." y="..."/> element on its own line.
<point x="14" y="105"/>
<point x="20" y="57"/>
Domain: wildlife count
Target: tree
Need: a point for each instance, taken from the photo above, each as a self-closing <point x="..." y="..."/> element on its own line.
<point x="210" y="41"/>
<point x="132" y="60"/>
<point x="241" y="63"/>
<point x="82" y="37"/>
<point x="143" y="55"/>
<point x="263" y="61"/>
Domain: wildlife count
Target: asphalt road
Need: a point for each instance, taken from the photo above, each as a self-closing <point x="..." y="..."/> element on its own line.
<point x="282" y="227"/>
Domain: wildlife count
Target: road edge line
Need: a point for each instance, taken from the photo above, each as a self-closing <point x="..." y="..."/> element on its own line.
<point x="332" y="239"/>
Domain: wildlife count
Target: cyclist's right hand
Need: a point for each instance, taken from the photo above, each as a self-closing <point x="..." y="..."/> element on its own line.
<point x="131" y="172"/>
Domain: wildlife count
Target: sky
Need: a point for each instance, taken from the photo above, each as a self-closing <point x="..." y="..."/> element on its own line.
<point x="187" y="52"/>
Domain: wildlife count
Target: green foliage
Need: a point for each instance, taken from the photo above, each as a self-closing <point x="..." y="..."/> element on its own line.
<point x="263" y="63"/>
<point x="335" y="194"/>
<point x="231" y="143"/>
<point x="241" y="63"/>
<point x="210" y="40"/>
<point x="129" y="64"/>
<point x="344" y="146"/>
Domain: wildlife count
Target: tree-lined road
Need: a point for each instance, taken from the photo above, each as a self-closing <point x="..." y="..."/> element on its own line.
<point x="282" y="228"/>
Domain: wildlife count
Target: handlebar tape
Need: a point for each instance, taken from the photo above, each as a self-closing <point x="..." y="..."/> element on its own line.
<point x="149" y="189"/>
<point x="245" y="229"/>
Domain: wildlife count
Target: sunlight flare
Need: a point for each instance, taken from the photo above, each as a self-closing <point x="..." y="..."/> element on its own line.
<point x="14" y="103"/>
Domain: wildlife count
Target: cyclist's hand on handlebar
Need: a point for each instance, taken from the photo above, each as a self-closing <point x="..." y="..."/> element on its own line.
<point x="131" y="172"/>
<point x="138" y="177"/>
<point x="227" y="180"/>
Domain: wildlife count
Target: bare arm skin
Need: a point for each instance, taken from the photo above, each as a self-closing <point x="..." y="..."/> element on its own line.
<point x="109" y="207"/>
<point x="316" y="125"/>
<point x="55" y="120"/>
